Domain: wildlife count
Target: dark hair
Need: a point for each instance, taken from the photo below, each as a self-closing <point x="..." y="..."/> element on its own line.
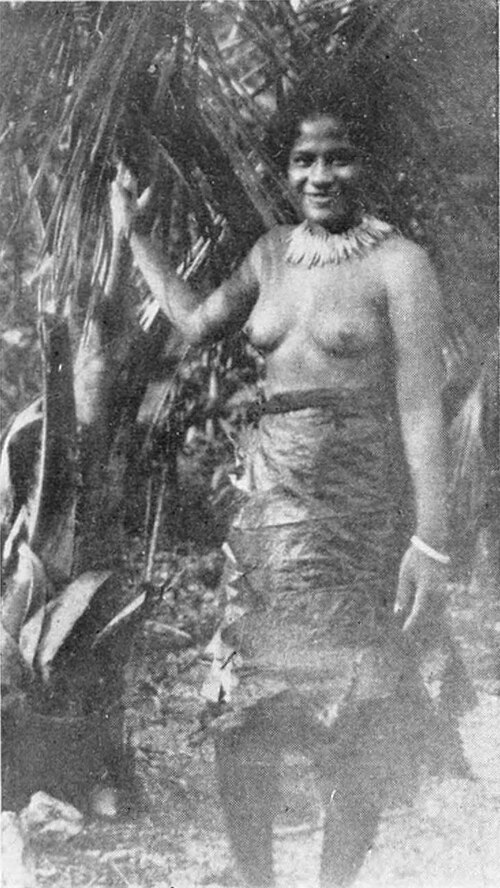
<point x="350" y="98"/>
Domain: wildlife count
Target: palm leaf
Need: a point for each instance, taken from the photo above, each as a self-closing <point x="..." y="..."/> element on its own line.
<point x="200" y="104"/>
<point x="189" y="86"/>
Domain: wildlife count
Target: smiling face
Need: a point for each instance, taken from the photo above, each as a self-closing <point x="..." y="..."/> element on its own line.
<point x="324" y="170"/>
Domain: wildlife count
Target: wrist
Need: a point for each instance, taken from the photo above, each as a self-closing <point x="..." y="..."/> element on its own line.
<point x="439" y="555"/>
<point x="434" y="532"/>
<point x="120" y="237"/>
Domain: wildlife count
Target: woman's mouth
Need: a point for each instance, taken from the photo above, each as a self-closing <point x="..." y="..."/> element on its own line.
<point x="321" y="199"/>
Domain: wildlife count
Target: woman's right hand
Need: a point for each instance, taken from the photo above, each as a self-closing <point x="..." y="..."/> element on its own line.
<point x="126" y="206"/>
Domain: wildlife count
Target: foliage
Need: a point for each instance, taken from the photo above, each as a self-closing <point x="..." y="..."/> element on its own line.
<point x="60" y="632"/>
<point x="183" y="93"/>
<point x="19" y="352"/>
<point x="474" y="434"/>
<point x="189" y="90"/>
<point x="190" y="86"/>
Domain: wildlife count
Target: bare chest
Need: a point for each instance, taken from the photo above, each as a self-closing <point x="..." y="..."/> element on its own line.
<point x="338" y="309"/>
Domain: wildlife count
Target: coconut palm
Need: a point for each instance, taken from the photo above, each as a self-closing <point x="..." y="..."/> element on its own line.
<point x="182" y="94"/>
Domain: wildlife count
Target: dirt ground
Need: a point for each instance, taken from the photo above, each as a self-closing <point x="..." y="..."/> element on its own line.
<point x="449" y="839"/>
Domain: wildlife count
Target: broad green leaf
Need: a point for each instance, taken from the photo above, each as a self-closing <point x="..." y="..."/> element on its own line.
<point x="15" y="674"/>
<point x="30" y="635"/>
<point x="23" y="437"/>
<point x="25" y="589"/>
<point x="64" y="613"/>
<point x="18" y="533"/>
<point x="173" y="637"/>
<point x="121" y="617"/>
<point x="52" y="519"/>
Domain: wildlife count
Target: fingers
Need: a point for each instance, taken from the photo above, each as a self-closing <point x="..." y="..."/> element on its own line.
<point x="145" y="199"/>
<point x="406" y="586"/>
<point x="126" y="204"/>
<point x="147" y="313"/>
<point x="418" y="611"/>
<point x="123" y="208"/>
<point x="125" y="179"/>
<point x="429" y="603"/>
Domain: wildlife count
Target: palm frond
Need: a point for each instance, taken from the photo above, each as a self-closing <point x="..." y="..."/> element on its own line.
<point x="193" y="84"/>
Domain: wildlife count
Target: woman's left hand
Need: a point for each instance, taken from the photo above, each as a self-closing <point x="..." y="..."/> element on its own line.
<point x="421" y="594"/>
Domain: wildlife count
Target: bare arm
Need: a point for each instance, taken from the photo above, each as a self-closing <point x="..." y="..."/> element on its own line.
<point x="415" y="311"/>
<point x="225" y="309"/>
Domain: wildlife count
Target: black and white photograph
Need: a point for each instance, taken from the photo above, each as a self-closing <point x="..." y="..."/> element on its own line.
<point x="250" y="453"/>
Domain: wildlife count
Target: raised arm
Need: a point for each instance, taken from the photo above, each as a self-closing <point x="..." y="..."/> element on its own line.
<point x="222" y="311"/>
<point x="416" y="317"/>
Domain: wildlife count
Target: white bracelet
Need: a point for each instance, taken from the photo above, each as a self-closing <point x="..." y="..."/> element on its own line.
<point x="429" y="551"/>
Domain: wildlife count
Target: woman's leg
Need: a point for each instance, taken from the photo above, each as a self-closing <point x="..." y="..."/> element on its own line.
<point x="248" y="783"/>
<point x="351" y="823"/>
<point x="355" y="781"/>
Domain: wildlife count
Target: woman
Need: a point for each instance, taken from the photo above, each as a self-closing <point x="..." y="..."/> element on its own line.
<point x="330" y="589"/>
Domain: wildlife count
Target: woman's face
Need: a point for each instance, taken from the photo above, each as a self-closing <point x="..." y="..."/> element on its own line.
<point x="324" y="170"/>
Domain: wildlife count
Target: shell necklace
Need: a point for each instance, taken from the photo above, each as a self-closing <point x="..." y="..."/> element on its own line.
<point x="311" y="245"/>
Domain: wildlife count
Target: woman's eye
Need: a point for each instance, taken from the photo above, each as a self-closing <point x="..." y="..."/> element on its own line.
<point x="340" y="161"/>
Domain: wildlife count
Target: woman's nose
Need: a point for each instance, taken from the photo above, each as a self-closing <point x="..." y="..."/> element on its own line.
<point x="321" y="173"/>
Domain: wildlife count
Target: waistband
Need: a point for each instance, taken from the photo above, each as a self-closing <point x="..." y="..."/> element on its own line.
<point x="345" y="403"/>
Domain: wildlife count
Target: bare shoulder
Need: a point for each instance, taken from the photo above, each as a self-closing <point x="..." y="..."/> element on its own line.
<point x="275" y="235"/>
<point x="402" y="260"/>
<point x="275" y="238"/>
<point x="409" y="279"/>
<point x="270" y="248"/>
<point x="412" y="291"/>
